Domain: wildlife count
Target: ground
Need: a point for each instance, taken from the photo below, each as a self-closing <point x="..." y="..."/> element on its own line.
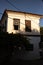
<point x="22" y="62"/>
<point x="10" y="61"/>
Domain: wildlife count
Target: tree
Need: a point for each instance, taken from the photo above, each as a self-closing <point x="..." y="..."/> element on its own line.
<point x="41" y="30"/>
<point x="19" y="40"/>
<point x="11" y="42"/>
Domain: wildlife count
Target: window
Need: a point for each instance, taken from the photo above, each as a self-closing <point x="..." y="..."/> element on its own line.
<point x="41" y="55"/>
<point x="16" y="24"/>
<point x="30" y="47"/>
<point x="28" y="25"/>
<point x="16" y="27"/>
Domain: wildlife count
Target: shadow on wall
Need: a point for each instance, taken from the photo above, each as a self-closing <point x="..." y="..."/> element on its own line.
<point x="32" y="32"/>
<point x="36" y="32"/>
<point x="12" y="43"/>
<point x="9" y="42"/>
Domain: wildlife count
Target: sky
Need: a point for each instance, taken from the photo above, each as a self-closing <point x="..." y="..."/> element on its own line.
<point x="31" y="6"/>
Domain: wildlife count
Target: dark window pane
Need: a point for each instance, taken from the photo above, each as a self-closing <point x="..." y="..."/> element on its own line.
<point x="16" y="27"/>
<point x="27" y="29"/>
<point x="30" y="47"/>
<point x="28" y="25"/>
<point x="41" y="55"/>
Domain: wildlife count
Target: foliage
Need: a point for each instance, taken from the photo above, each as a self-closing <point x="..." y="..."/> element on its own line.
<point x="41" y="30"/>
<point x="11" y="40"/>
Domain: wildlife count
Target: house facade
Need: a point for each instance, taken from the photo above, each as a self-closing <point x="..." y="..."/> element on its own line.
<point x="23" y="23"/>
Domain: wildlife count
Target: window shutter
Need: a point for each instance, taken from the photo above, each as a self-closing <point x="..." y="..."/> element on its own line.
<point x="28" y="25"/>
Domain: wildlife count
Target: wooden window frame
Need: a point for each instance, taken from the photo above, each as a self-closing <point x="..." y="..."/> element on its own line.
<point x="16" y="23"/>
<point x="28" y="27"/>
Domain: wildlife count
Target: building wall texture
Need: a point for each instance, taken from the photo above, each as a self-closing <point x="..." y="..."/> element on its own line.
<point x="28" y="55"/>
<point x="34" y="23"/>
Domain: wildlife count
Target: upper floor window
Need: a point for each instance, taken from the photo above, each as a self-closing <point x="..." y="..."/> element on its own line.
<point x="28" y="25"/>
<point x="16" y="24"/>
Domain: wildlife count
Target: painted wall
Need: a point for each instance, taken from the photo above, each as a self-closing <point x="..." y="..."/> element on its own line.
<point x="34" y="23"/>
<point x="35" y="54"/>
<point x="27" y="55"/>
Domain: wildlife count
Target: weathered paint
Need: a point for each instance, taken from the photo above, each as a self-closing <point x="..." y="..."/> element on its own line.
<point x="35" y="20"/>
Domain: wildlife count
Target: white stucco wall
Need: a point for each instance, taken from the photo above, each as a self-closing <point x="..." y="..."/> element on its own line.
<point x="35" y="54"/>
<point x="34" y="23"/>
<point x="28" y="55"/>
